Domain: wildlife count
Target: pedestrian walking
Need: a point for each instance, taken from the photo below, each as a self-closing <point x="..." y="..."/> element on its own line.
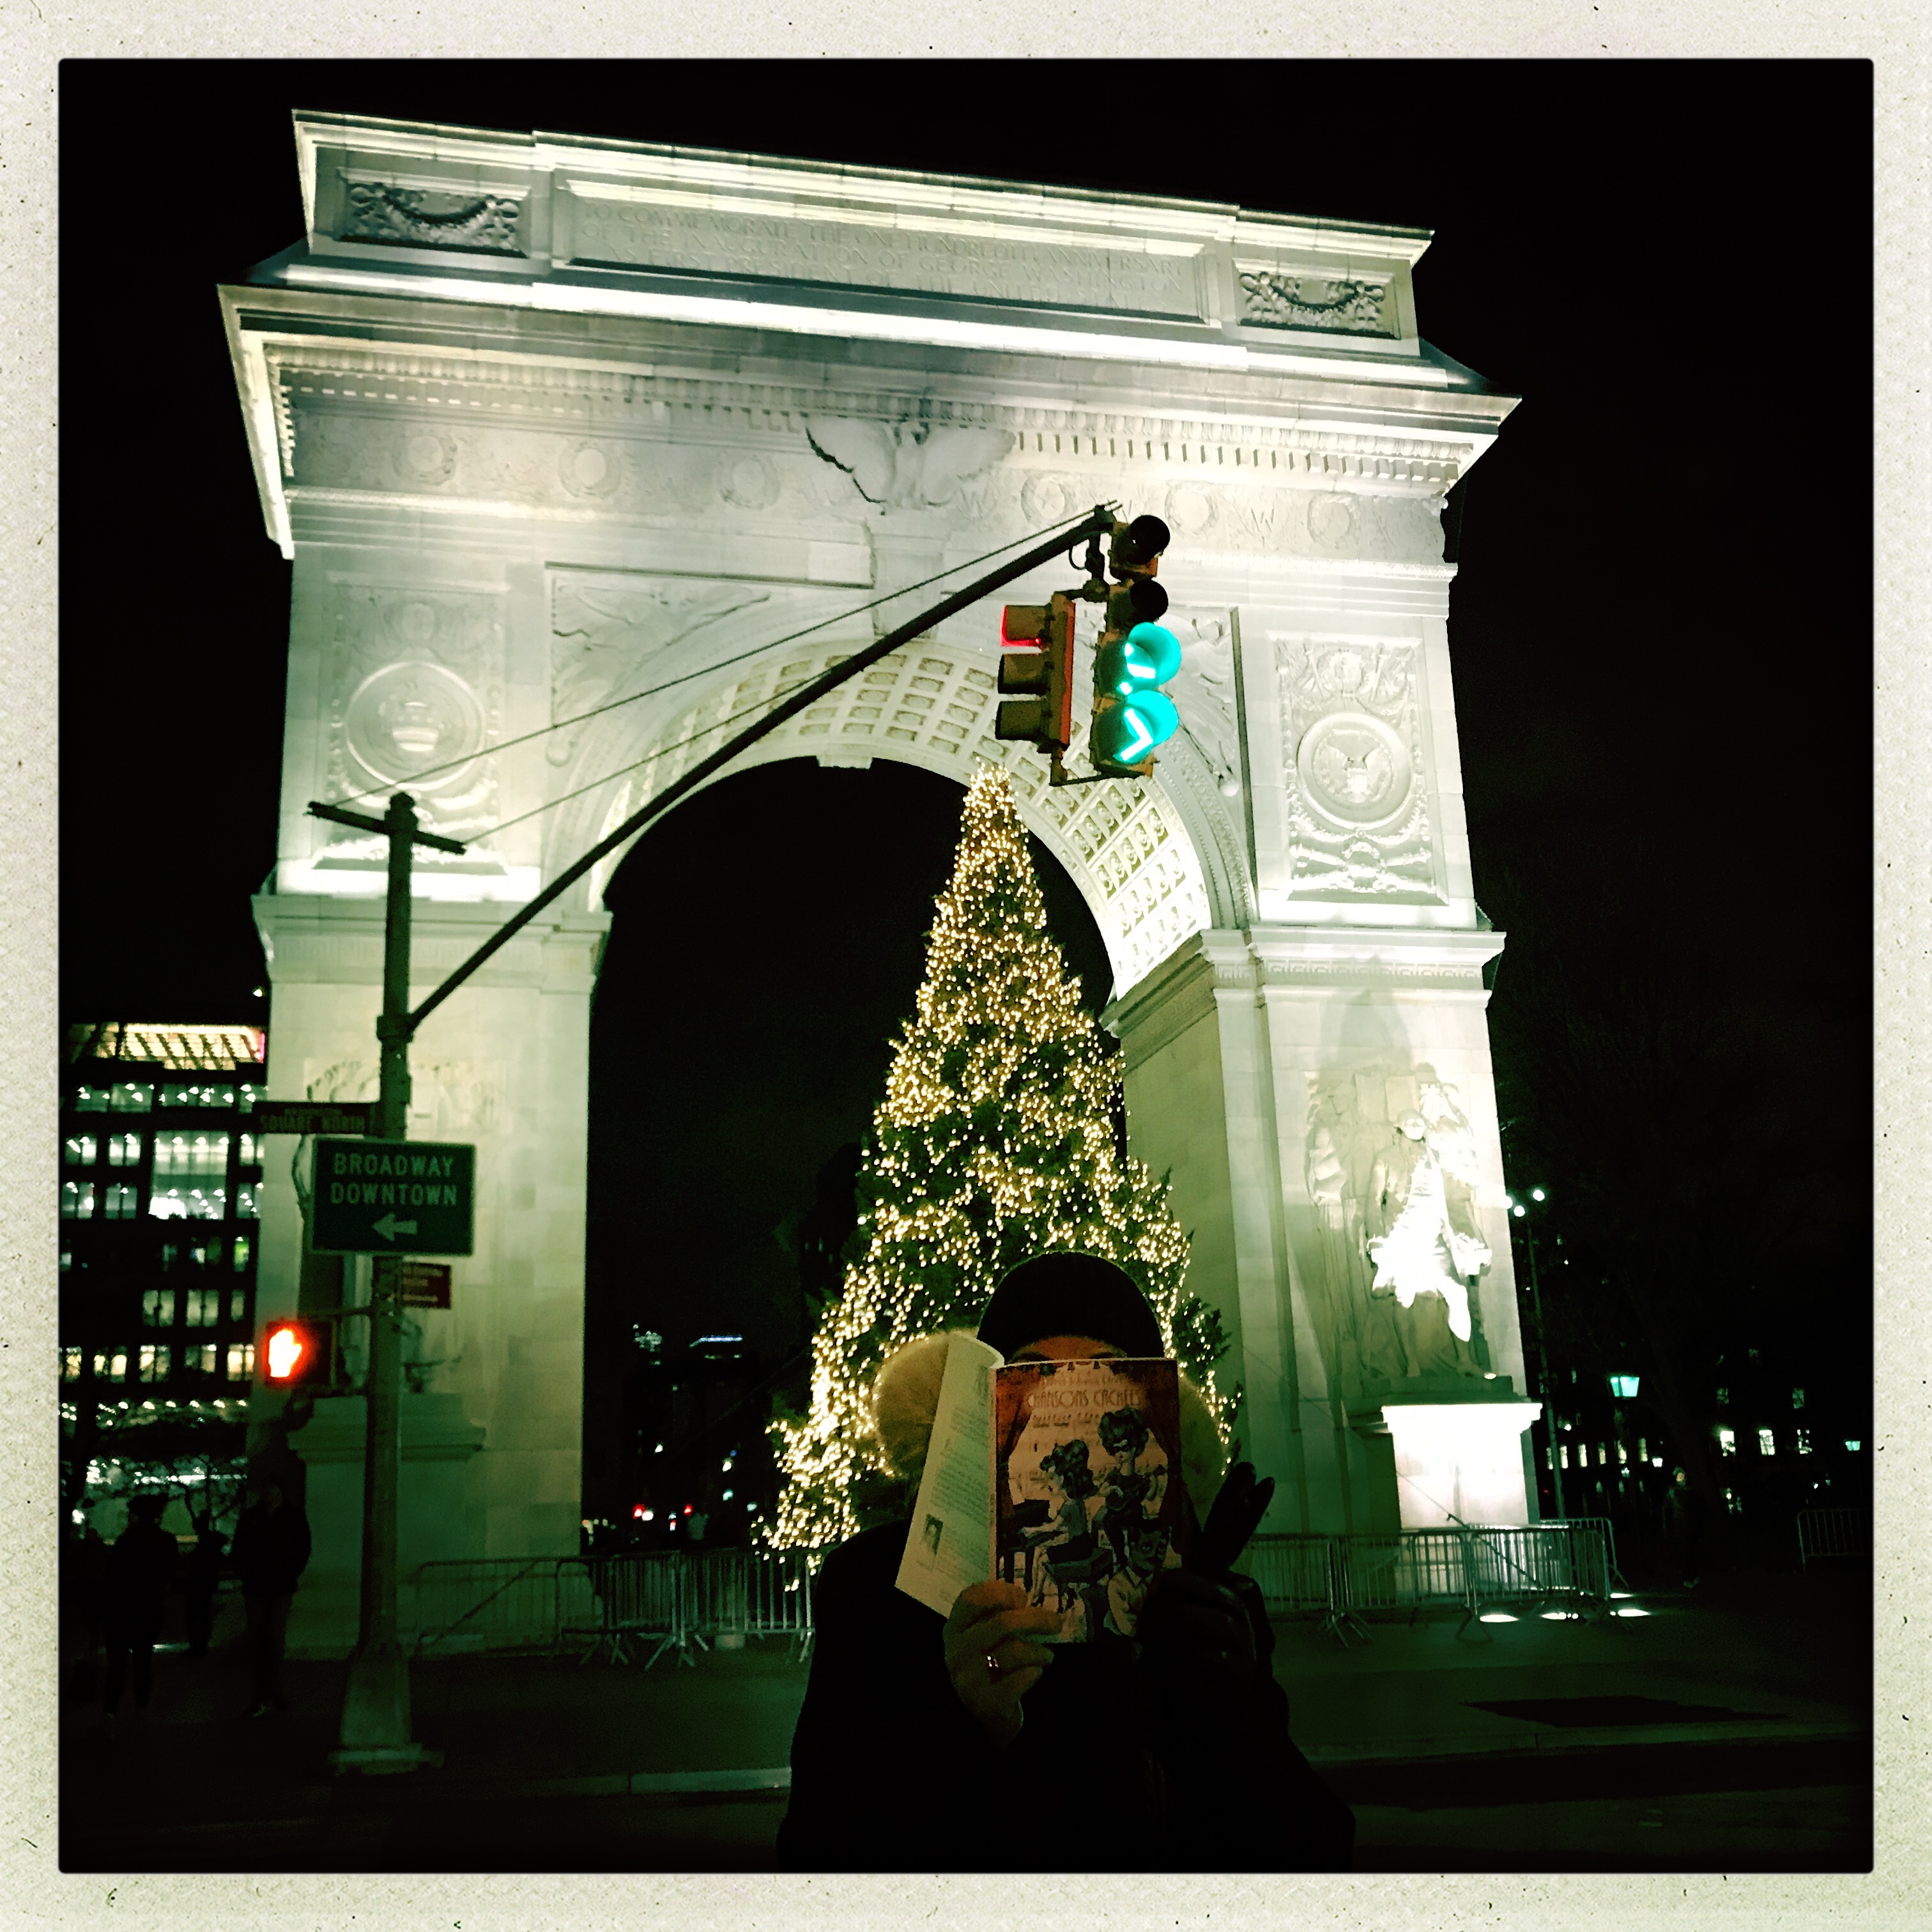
<point x="1686" y="1516"/>
<point x="134" y="1599"/>
<point x="271" y="1550"/>
<point x="203" y="1575"/>
<point x="928" y="1743"/>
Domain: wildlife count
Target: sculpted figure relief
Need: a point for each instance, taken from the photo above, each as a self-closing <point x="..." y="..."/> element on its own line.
<point x="1395" y="1201"/>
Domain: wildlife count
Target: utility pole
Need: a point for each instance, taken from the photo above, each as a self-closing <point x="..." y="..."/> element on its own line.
<point x="1542" y="1364"/>
<point x="375" y="1733"/>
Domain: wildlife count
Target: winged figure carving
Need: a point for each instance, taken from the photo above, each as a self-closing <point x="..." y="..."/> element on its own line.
<point x="906" y="465"/>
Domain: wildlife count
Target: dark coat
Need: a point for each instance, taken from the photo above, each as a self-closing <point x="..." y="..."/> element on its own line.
<point x="271" y="1550"/>
<point x="139" y="1567"/>
<point x="889" y="1773"/>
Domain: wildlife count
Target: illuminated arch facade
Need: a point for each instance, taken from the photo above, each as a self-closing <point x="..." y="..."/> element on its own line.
<point x="547" y="424"/>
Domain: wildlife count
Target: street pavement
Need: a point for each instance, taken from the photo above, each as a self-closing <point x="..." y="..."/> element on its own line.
<point x="1726" y="1729"/>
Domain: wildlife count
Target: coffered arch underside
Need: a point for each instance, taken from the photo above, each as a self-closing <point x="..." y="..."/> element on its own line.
<point x="1127" y="846"/>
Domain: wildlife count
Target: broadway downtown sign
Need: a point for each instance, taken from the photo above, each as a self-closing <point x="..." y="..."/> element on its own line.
<point x="393" y="1198"/>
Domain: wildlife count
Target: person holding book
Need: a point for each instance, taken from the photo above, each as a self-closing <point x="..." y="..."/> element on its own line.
<point x="923" y="1734"/>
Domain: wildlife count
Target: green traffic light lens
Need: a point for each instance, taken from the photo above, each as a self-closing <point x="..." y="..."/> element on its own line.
<point x="1153" y="652"/>
<point x="1125" y="733"/>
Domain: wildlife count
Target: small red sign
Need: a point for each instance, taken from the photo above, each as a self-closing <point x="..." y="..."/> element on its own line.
<point x="424" y="1284"/>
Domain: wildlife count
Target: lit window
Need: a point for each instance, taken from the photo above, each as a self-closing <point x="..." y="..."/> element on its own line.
<point x="90" y="1100"/>
<point x="111" y="1367"/>
<point x="173" y="1095"/>
<point x="1723" y="1398"/>
<point x="207" y="1358"/>
<point x="1733" y="1503"/>
<point x="246" y="1205"/>
<point x="1603" y="1456"/>
<point x="241" y="1253"/>
<point x="186" y="1154"/>
<point x="80" y="1150"/>
<point x="77" y="1200"/>
<point x="240" y="1361"/>
<point x="251" y="1153"/>
<point x="1727" y="1441"/>
<point x="154" y="1363"/>
<point x="238" y="1303"/>
<point x="1766" y="1446"/>
<point x="1797" y="1398"/>
<point x="204" y="1307"/>
<point x="122" y="1202"/>
<point x="1563" y="1449"/>
<point x="157" y="1308"/>
<point x="189" y="1204"/>
<point x="70" y="1365"/>
<point x="1801" y="1441"/>
<point x="1623" y="1455"/>
<point x="1853" y="1445"/>
<point x="1642" y="1451"/>
<point x="132" y="1097"/>
<point x="67" y="1259"/>
<point x="123" y="1150"/>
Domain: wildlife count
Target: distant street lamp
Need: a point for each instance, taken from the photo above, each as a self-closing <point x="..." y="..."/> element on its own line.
<point x="1521" y="1213"/>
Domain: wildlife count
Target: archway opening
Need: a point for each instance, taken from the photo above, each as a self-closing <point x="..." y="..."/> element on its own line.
<point x="767" y="939"/>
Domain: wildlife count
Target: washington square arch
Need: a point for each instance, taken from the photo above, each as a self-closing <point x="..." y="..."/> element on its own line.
<point x="546" y="423"/>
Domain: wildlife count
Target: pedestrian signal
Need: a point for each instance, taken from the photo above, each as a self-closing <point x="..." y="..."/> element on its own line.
<point x="295" y="1353"/>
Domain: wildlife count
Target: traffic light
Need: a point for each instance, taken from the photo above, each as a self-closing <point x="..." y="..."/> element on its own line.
<point x="299" y="1354"/>
<point x="1036" y="673"/>
<point x="1135" y="656"/>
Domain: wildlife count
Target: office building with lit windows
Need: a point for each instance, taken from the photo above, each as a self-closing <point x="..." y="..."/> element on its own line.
<point x="160" y="1181"/>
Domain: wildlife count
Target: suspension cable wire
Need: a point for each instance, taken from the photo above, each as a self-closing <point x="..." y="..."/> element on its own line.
<point x="649" y="758"/>
<point x="670" y="683"/>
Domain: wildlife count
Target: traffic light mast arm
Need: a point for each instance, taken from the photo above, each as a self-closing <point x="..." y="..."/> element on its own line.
<point x="1097" y="523"/>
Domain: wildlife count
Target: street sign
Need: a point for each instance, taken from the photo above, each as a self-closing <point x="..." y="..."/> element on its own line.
<point x="424" y="1284"/>
<point x="313" y="1117"/>
<point x="393" y="1198"/>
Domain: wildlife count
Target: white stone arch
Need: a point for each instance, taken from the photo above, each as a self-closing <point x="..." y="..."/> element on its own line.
<point x="1134" y="850"/>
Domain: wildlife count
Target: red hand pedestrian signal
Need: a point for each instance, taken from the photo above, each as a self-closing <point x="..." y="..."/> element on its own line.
<point x="297" y="1353"/>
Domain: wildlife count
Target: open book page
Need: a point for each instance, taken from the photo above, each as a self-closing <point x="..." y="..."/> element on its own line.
<point x="1090" y="1504"/>
<point x="951" y="1544"/>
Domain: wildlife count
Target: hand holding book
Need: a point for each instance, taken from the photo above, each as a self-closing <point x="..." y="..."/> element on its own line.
<point x="988" y="1657"/>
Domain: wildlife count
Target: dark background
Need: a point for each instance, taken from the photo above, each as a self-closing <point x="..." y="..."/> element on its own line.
<point x="1660" y="632"/>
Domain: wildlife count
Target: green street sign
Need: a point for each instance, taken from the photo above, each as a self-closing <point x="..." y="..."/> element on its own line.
<point x="393" y="1198"/>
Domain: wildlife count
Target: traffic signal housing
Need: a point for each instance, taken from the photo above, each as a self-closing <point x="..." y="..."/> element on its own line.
<point x="1036" y="673"/>
<point x="1136" y="656"/>
<point x="299" y="1355"/>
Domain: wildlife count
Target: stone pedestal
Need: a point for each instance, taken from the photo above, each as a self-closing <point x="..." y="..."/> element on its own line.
<point x="1458" y="1456"/>
<point x="441" y="1516"/>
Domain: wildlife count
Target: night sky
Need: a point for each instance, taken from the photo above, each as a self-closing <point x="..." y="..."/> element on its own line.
<point x="1660" y="634"/>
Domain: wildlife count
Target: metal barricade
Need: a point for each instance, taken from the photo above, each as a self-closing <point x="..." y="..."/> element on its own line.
<point x="640" y="1596"/>
<point x="465" y="1606"/>
<point x="1833" y="1535"/>
<point x="778" y="1596"/>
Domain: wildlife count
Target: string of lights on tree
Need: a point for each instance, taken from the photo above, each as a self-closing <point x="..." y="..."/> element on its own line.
<point x="994" y="1142"/>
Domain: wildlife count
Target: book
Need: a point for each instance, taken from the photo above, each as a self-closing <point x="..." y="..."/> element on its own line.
<point x="1062" y="1476"/>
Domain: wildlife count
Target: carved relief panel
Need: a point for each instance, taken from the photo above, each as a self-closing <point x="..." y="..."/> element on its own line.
<point x="1356" y="788"/>
<point x="414" y="697"/>
<point x="1392" y="1170"/>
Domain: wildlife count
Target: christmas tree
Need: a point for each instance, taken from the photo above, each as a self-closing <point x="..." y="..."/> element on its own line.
<point x="995" y="1141"/>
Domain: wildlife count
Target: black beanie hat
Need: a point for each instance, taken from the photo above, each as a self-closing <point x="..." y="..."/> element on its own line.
<point x="1070" y="1294"/>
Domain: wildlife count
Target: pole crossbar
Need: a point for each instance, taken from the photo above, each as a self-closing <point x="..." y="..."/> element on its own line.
<point x="1097" y="522"/>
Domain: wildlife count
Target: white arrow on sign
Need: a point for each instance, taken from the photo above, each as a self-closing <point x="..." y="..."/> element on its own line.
<point x="389" y="1227"/>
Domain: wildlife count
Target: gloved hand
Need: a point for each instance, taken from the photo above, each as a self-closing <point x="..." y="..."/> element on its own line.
<point x="1197" y="1641"/>
<point x="1232" y="1519"/>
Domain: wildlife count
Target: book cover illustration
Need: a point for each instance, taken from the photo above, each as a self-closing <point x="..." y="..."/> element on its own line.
<point x="1090" y="1507"/>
